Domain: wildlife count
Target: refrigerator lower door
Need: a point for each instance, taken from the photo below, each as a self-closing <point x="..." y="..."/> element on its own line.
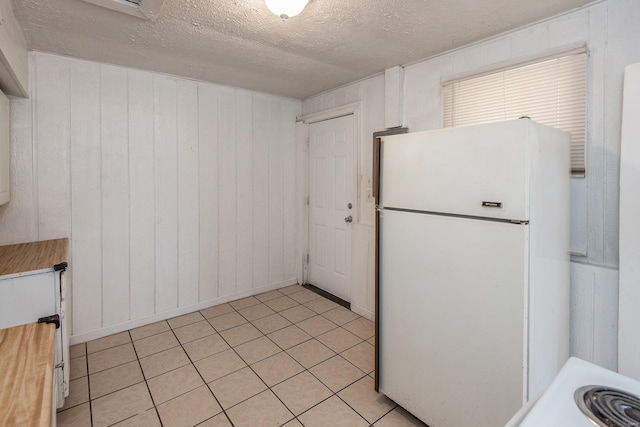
<point x="452" y="317"/>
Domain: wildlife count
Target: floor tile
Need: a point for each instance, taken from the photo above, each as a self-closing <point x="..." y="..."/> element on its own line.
<point x="340" y="315"/>
<point x="165" y="361"/>
<point x="238" y="353"/>
<point x="291" y="289"/>
<point x="108" y="342"/>
<point x="267" y="296"/>
<point x="338" y="339"/>
<point x="227" y="321"/>
<point x="256" y="312"/>
<point x="174" y="383"/>
<point x="361" y="355"/>
<point x="216" y="310"/>
<point x="281" y="303"/>
<point x="362" y="397"/>
<point x="193" y="331"/>
<point x="240" y="334"/>
<point x="277" y="368"/>
<point x="336" y="373"/>
<point x="399" y="418"/>
<point x="78" y="367"/>
<point x="361" y="327"/>
<point x="120" y="405"/>
<point x="304" y="295"/>
<point x="199" y="349"/>
<point x="244" y="302"/>
<point x="185" y="319"/>
<point x="372" y="341"/>
<point x="148" y="418"/>
<point x="219" y="420"/>
<point x="310" y="353"/>
<point x="297" y="313"/>
<point x="78" y="350"/>
<point x="155" y="344"/>
<point x="316" y="325"/>
<point x="289" y="337"/>
<point x="256" y="350"/>
<point x="114" y="379"/>
<point x="78" y="393"/>
<point x="321" y="305"/>
<point x="189" y="409"/>
<point x="301" y="392"/>
<point x="332" y="412"/>
<point x="78" y="416"/>
<point x="111" y="357"/>
<point x="149" y="330"/>
<point x="217" y="366"/>
<point x="237" y="387"/>
<point x="272" y="323"/>
<point x="262" y="410"/>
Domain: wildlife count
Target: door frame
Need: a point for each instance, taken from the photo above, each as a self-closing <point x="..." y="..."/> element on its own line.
<point x="302" y="177"/>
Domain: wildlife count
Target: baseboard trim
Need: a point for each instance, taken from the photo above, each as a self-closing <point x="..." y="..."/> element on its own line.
<point x="135" y="323"/>
<point x="363" y="312"/>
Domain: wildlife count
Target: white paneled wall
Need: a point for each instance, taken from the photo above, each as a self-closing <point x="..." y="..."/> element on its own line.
<point x="611" y="32"/>
<point x="176" y="194"/>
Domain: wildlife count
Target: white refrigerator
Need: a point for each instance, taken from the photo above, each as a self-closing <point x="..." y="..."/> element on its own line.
<point x="472" y="269"/>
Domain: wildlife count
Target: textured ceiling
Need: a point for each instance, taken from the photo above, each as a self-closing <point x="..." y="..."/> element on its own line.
<point x="240" y="43"/>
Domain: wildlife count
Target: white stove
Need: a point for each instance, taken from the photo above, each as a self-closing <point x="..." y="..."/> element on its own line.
<point x="583" y="395"/>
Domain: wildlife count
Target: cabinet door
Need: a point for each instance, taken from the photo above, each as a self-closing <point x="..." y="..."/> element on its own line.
<point x="24" y="299"/>
<point x="5" y="154"/>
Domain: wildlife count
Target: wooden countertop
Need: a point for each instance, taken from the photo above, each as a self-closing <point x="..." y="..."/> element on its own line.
<point x="32" y="256"/>
<point x="26" y="375"/>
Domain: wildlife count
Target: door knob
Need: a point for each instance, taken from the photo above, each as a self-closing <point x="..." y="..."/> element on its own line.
<point x="348" y="219"/>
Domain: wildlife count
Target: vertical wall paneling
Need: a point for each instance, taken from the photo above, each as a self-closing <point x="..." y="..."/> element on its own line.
<point x="162" y="184"/>
<point x="227" y="191"/>
<point x="141" y="194"/>
<point x="52" y="148"/>
<point x="261" y="119"/>
<point x="208" y="184"/>
<point x="115" y="195"/>
<point x="188" y="185"/>
<point x="288" y="136"/>
<point x="86" y="200"/>
<point x="244" y="185"/>
<point x="276" y="219"/>
<point x="166" y="169"/>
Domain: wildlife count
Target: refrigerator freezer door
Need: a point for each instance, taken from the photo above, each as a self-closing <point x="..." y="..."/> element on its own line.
<point x="473" y="170"/>
<point x="452" y="317"/>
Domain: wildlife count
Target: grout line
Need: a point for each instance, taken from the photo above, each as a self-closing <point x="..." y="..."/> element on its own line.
<point x="57" y="411"/>
<point x="200" y="375"/>
<point x="155" y="407"/>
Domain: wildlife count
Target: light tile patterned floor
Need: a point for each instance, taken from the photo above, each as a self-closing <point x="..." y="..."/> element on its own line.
<point x="287" y="357"/>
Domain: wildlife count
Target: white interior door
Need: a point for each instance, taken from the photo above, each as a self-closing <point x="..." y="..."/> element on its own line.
<point x="331" y="204"/>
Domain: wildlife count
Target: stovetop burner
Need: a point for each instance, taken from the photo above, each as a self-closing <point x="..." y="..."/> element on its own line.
<point x="608" y="407"/>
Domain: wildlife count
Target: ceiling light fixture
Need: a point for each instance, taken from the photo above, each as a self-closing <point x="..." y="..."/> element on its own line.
<point x="286" y="8"/>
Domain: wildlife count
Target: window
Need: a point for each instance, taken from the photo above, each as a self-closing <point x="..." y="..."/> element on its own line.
<point x="551" y="91"/>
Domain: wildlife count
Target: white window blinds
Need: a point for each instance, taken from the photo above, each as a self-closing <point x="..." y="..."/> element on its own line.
<point x="552" y="92"/>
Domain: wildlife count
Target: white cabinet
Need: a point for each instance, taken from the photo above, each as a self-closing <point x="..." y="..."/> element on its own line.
<point x="5" y="153"/>
<point x="33" y="286"/>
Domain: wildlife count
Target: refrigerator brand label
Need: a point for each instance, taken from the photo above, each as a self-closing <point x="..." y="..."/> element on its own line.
<point x="492" y="204"/>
